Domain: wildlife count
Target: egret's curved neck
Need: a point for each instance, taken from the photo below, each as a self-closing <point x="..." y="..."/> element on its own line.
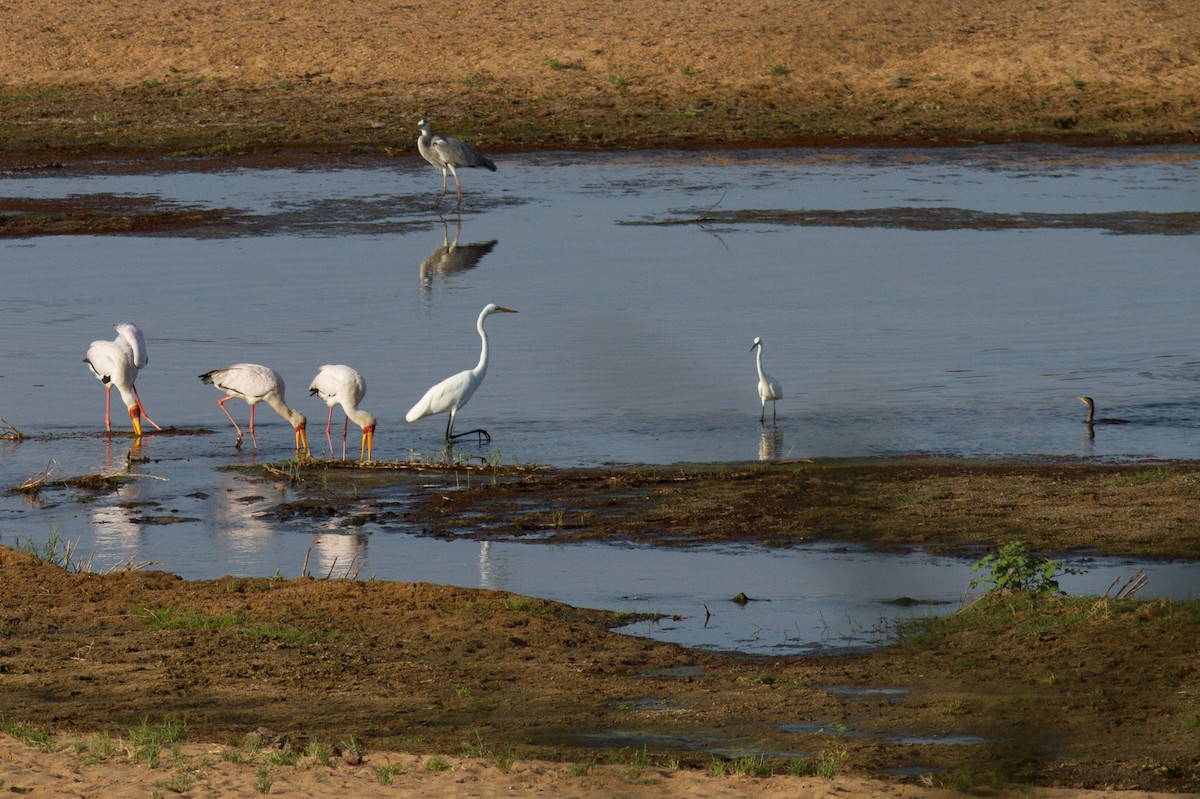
<point x="481" y="367"/>
<point x="758" y="360"/>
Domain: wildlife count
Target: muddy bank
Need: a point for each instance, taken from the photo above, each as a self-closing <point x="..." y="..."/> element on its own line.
<point x="1091" y="694"/>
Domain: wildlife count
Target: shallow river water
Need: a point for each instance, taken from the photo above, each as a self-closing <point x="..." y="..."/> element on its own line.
<point x="911" y="301"/>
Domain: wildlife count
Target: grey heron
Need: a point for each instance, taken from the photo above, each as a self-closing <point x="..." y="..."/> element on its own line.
<point x="448" y="154"/>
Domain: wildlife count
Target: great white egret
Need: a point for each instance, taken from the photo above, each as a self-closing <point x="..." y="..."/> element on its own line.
<point x="454" y="392"/>
<point x="447" y="154"/>
<point x="768" y="387"/>
<point x="116" y="363"/>
<point x="1091" y="417"/>
<point x="255" y="383"/>
<point x="339" y="384"/>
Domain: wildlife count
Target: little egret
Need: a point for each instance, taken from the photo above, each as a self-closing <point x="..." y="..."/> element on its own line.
<point x="339" y="384"/>
<point x="116" y="363"/>
<point x="1091" y="417"/>
<point x="454" y="392"/>
<point x="768" y="387"/>
<point x="255" y="384"/>
<point x="447" y="153"/>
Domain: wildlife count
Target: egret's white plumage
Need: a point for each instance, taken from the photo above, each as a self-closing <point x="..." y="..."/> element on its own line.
<point x="454" y="392"/>
<point x="769" y="389"/>
<point x="447" y="154"/>
<point x="255" y="383"/>
<point x="339" y="384"/>
<point x="116" y="363"/>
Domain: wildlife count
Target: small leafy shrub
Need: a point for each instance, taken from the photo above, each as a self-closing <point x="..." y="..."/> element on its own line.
<point x="1014" y="569"/>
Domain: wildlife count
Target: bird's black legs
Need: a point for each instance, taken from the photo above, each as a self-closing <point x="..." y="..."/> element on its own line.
<point x="484" y="437"/>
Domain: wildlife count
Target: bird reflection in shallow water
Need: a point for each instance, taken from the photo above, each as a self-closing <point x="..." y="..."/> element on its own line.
<point x="452" y="257"/>
<point x="1091" y="421"/>
<point x="770" y="442"/>
<point x="339" y="555"/>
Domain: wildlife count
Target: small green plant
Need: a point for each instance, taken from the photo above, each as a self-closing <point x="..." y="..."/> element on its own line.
<point x="717" y="768"/>
<point x="553" y="63"/>
<point x="97" y="749"/>
<point x="319" y="753"/>
<point x="1014" y="569"/>
<point x="1076" y="83"/>
<point x="179" y="782"/>
<point x="752" y="766"/>
<point x="262" y="779"/>
<point x="437" y="764"/>
<point x="475" y="748"/>
<point x="33" y="736"/>
<point x="470" y="80"/>
<point x="618" y="82"/>
<point x="350" y="744"/>
<point x="287" y="756"/>
<point x="148" y="740"/>
<point x="830" y="760"/>
<point x="384" y="774"/>
<point x="779" y="70"/>
<point x="901" y="81"/>
<point x="583" y="767"/>
<point x="234" y="756"/>
<point x="686" y="70"/>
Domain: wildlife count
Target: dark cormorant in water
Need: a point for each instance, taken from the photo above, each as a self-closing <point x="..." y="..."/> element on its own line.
<point x="1091" y="417"/>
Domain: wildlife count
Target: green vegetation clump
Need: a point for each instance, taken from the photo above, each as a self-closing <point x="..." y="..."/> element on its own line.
<point x="1014" y="569"/>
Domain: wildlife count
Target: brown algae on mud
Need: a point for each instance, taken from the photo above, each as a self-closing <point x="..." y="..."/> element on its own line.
<point x="91" y="214"/>
<point x="938" y="505"/>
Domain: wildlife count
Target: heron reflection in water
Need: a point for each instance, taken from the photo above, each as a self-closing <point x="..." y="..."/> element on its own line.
<point x="770" y="442"/>
<point x="452" y="257"/>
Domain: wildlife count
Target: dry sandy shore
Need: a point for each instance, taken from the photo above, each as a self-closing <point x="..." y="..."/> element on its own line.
<point x="225" y="77"/>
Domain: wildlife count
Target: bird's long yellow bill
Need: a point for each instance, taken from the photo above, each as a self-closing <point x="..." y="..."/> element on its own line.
<point x="301" y="440"/>
<point x="368" y="443"/>
<point x="135" y="416"/>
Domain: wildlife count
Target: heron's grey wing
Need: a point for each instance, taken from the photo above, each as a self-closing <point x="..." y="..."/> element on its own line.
<point x="459" y="153"/>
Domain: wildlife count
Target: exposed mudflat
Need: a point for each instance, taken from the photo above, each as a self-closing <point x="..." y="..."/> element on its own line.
<point x="1093" y="694"/>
